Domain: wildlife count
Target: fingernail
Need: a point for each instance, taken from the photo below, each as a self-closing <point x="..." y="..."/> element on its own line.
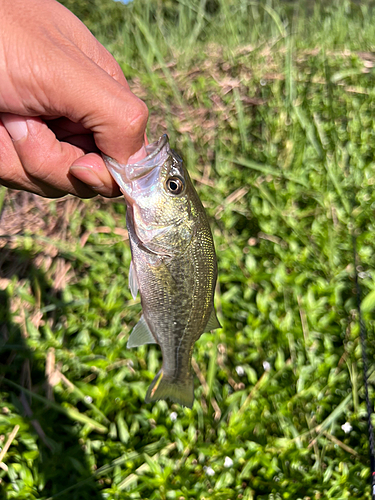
<point x="87" y="176"/>
<point x="139" y="155"/>
<point x="16" y="126"/>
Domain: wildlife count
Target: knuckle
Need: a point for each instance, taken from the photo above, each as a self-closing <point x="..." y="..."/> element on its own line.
<point x="115" y="71"/>
<point x="10" y="168"/>
<point x="38" y="167"/>
<point x="137" y="116"/>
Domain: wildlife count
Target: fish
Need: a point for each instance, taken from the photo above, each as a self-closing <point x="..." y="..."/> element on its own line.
<point x="173" y="264"/>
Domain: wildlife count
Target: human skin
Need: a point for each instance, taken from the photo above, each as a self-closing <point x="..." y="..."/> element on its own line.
<point x="63" y="99"/>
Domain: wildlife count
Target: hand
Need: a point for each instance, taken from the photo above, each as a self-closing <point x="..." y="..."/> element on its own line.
<point x="63" y="98"/>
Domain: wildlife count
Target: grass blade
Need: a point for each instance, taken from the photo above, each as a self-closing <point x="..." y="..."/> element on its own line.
<point x="267" y="169"/>
<point x="69" y="412"/>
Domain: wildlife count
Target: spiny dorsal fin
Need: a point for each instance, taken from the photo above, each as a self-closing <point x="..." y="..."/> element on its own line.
<point x="133" y="282"/>
<point x="140" y="335"/>
<point x="213" y="322"/>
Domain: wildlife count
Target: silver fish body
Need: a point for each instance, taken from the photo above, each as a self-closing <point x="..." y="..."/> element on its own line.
<point x="173" y="264"/>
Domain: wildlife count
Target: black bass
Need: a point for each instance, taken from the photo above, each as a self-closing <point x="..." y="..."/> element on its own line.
<point x="173" y="264"/>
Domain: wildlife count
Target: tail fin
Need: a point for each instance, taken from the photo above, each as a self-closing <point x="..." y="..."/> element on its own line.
<point x="177" y="390"/>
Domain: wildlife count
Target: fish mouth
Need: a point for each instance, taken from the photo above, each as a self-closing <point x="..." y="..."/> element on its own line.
<point x="157" y="153"/>
<point x="156" y="147"/>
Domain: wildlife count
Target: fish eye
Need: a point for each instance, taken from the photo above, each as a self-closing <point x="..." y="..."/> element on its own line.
<point x="175" y="185"/>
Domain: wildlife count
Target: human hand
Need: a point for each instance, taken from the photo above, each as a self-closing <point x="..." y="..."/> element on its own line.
<point x="63" y="98"/>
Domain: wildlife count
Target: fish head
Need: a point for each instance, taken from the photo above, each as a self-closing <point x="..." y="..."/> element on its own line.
<point x="160" y="198"/>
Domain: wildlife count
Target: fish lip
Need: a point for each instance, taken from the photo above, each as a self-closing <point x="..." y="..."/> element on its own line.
<point x="154" y="149"/>
<point x="161" y="147"/>
<point x="132" y="171"/>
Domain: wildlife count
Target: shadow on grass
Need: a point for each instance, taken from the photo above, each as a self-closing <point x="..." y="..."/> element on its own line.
<point x="60" y="461"/>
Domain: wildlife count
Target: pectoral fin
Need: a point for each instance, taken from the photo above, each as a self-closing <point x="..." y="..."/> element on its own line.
<point x="213" y="322"/>
<point x="140" y="335"/>
<point x="133" y="282"/>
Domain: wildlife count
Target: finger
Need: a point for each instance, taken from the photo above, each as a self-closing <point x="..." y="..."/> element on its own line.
<point x="90" y="167"/>
<point x="43" y="158"/>
<point x="12" y="174"/>
<point x="104" y="59"/>
<point x="99" y="99"/>
<point x="66" y="126"/>
<point x="117" y="118"/>
<point x="94" y="50"/>
<point x="73" y="133"/>
<point x="101" y="104"/>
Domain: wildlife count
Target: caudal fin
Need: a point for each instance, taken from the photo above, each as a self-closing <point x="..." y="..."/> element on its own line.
<point x="177" y="390"/>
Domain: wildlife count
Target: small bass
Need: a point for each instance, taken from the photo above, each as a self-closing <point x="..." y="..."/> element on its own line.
<point x="173" y="264"/>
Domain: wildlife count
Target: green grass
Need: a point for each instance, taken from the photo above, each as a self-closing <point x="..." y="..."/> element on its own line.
<point x="273" y="110"/>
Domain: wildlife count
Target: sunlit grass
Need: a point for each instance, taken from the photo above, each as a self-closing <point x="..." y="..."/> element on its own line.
<point x="273" y="110"/>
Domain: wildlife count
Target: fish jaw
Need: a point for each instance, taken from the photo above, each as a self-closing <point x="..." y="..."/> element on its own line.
<point x="125" y="175"/>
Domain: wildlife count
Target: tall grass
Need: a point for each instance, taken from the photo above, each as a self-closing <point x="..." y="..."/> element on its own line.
<point x="183" y="30"/>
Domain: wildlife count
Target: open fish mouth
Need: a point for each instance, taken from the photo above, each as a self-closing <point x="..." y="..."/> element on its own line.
<point x="157" y="153"/>
<point x="156" y="147"/>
